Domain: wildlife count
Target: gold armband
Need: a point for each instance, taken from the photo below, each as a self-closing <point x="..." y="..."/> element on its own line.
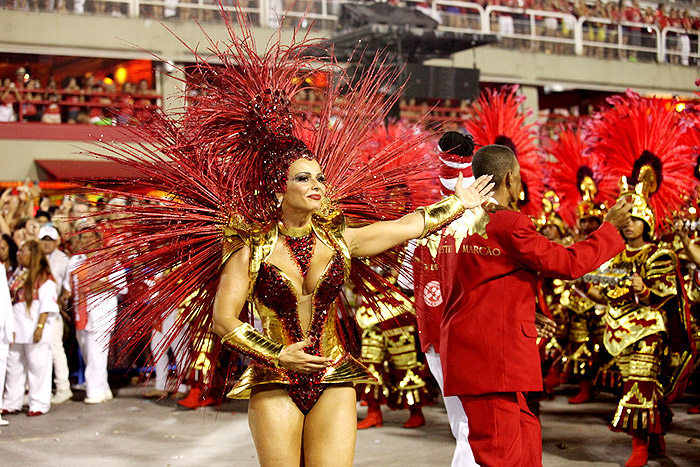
<point x="40" y="325"/>
<point x="251" y="342"/>
<point x="441" y="213"/>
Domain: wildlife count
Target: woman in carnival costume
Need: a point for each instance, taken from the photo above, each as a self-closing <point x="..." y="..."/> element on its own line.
<point x="272" y="212"/>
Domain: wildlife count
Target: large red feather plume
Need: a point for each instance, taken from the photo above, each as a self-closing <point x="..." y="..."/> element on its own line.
<point x="220" y="157"/>
<point x="496" y="118"/>
<point x="636" y="130"/>
<point x="568" y="150"/>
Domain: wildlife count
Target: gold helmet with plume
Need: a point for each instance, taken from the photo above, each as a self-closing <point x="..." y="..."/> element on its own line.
<point x="589" y="190"/>
<point x="549" y="216"/>
<point x="638" y="195"/>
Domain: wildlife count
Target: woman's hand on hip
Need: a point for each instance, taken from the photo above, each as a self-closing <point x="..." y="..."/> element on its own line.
<point x="294" y="358"/>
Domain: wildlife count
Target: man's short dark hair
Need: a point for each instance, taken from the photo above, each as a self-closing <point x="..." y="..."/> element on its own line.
<point x="495" y="160"/>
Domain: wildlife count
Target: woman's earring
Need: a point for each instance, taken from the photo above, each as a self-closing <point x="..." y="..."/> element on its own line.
<point x="327" y="207"/>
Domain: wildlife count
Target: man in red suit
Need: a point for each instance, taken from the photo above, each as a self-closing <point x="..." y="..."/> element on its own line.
<point x="488" y="334"/>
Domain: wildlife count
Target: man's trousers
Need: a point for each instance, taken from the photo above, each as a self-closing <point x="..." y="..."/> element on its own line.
<point x="502" y="430"/>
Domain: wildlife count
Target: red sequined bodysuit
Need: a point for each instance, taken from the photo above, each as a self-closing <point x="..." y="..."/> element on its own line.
<point x="276" y="302"/>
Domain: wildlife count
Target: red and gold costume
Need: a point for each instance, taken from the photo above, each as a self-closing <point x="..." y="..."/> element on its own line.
<point x="645" y="330"/>
<point x="390" y="352"/>
<point x="549" y="295"/>
<point x="635" y="335"/>
<point x="225" y="160"/>
<point x="585" y="325"/>
<point x="583" y="195"/>
<point x="691" y="285"/>
<point x="276" y="301"/>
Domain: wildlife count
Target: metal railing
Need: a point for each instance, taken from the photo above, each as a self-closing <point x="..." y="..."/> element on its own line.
<point x="535" y="30"/>
<point x="679" y="45"/>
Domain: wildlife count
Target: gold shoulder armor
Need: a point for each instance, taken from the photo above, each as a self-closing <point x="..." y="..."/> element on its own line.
<point x="330" y="229"/>
<point x="661" y="263"/>
<point x="236" y="225"/>
<point x="236" y="233"/>
<point x="332" y="220"/>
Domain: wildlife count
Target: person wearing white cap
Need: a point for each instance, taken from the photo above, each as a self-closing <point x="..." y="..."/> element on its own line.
<point x="58" y="262"/>
<point x="6" y="330"/>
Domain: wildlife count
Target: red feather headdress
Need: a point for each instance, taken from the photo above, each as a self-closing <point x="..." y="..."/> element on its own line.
<point x="496" y="118"/>
<point x="637" y="135"/>
<point x="222" y="158"/>
<point x="571" y="169"/>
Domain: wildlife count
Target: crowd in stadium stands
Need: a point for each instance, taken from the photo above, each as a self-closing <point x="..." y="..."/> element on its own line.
<point x="101" y="102"/>
<point x="606" y="31"/>
<point x="679" y="14"/>
<point x="85" y="100"/>
<point x="682" y="16"/>
<point x="51" y="237"/>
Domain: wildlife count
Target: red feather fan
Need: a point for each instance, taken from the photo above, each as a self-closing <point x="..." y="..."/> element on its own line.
<point x="564" y="173"/>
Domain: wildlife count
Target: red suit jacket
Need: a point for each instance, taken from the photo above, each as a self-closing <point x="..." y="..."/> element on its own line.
<point x="427" y="296"/>
<point x="488" y="335"/>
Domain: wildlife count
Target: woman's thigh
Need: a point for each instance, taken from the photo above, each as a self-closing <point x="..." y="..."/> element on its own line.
<point x="330" y="427"/>
<point x="276" y="425"/>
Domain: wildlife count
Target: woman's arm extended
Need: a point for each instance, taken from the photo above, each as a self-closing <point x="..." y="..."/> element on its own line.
<point x="380" y="236"/>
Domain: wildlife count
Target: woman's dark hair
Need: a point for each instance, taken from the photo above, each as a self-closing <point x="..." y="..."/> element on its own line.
<point x="457" y="143"/>
<point x="41" y="213"/>
<point x="38" y="271"/>
<point x="22" y="223"/>
<point x="12" y="255"/>
<point x="646" y="233"/>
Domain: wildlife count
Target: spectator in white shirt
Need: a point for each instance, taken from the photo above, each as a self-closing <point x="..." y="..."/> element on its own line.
<point x="33" y="294"/>
<point x="58" y="261"/>
<point x="95" y="288"/>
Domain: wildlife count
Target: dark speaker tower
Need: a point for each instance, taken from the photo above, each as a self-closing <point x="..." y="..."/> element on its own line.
<point x="441" y="82"/>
